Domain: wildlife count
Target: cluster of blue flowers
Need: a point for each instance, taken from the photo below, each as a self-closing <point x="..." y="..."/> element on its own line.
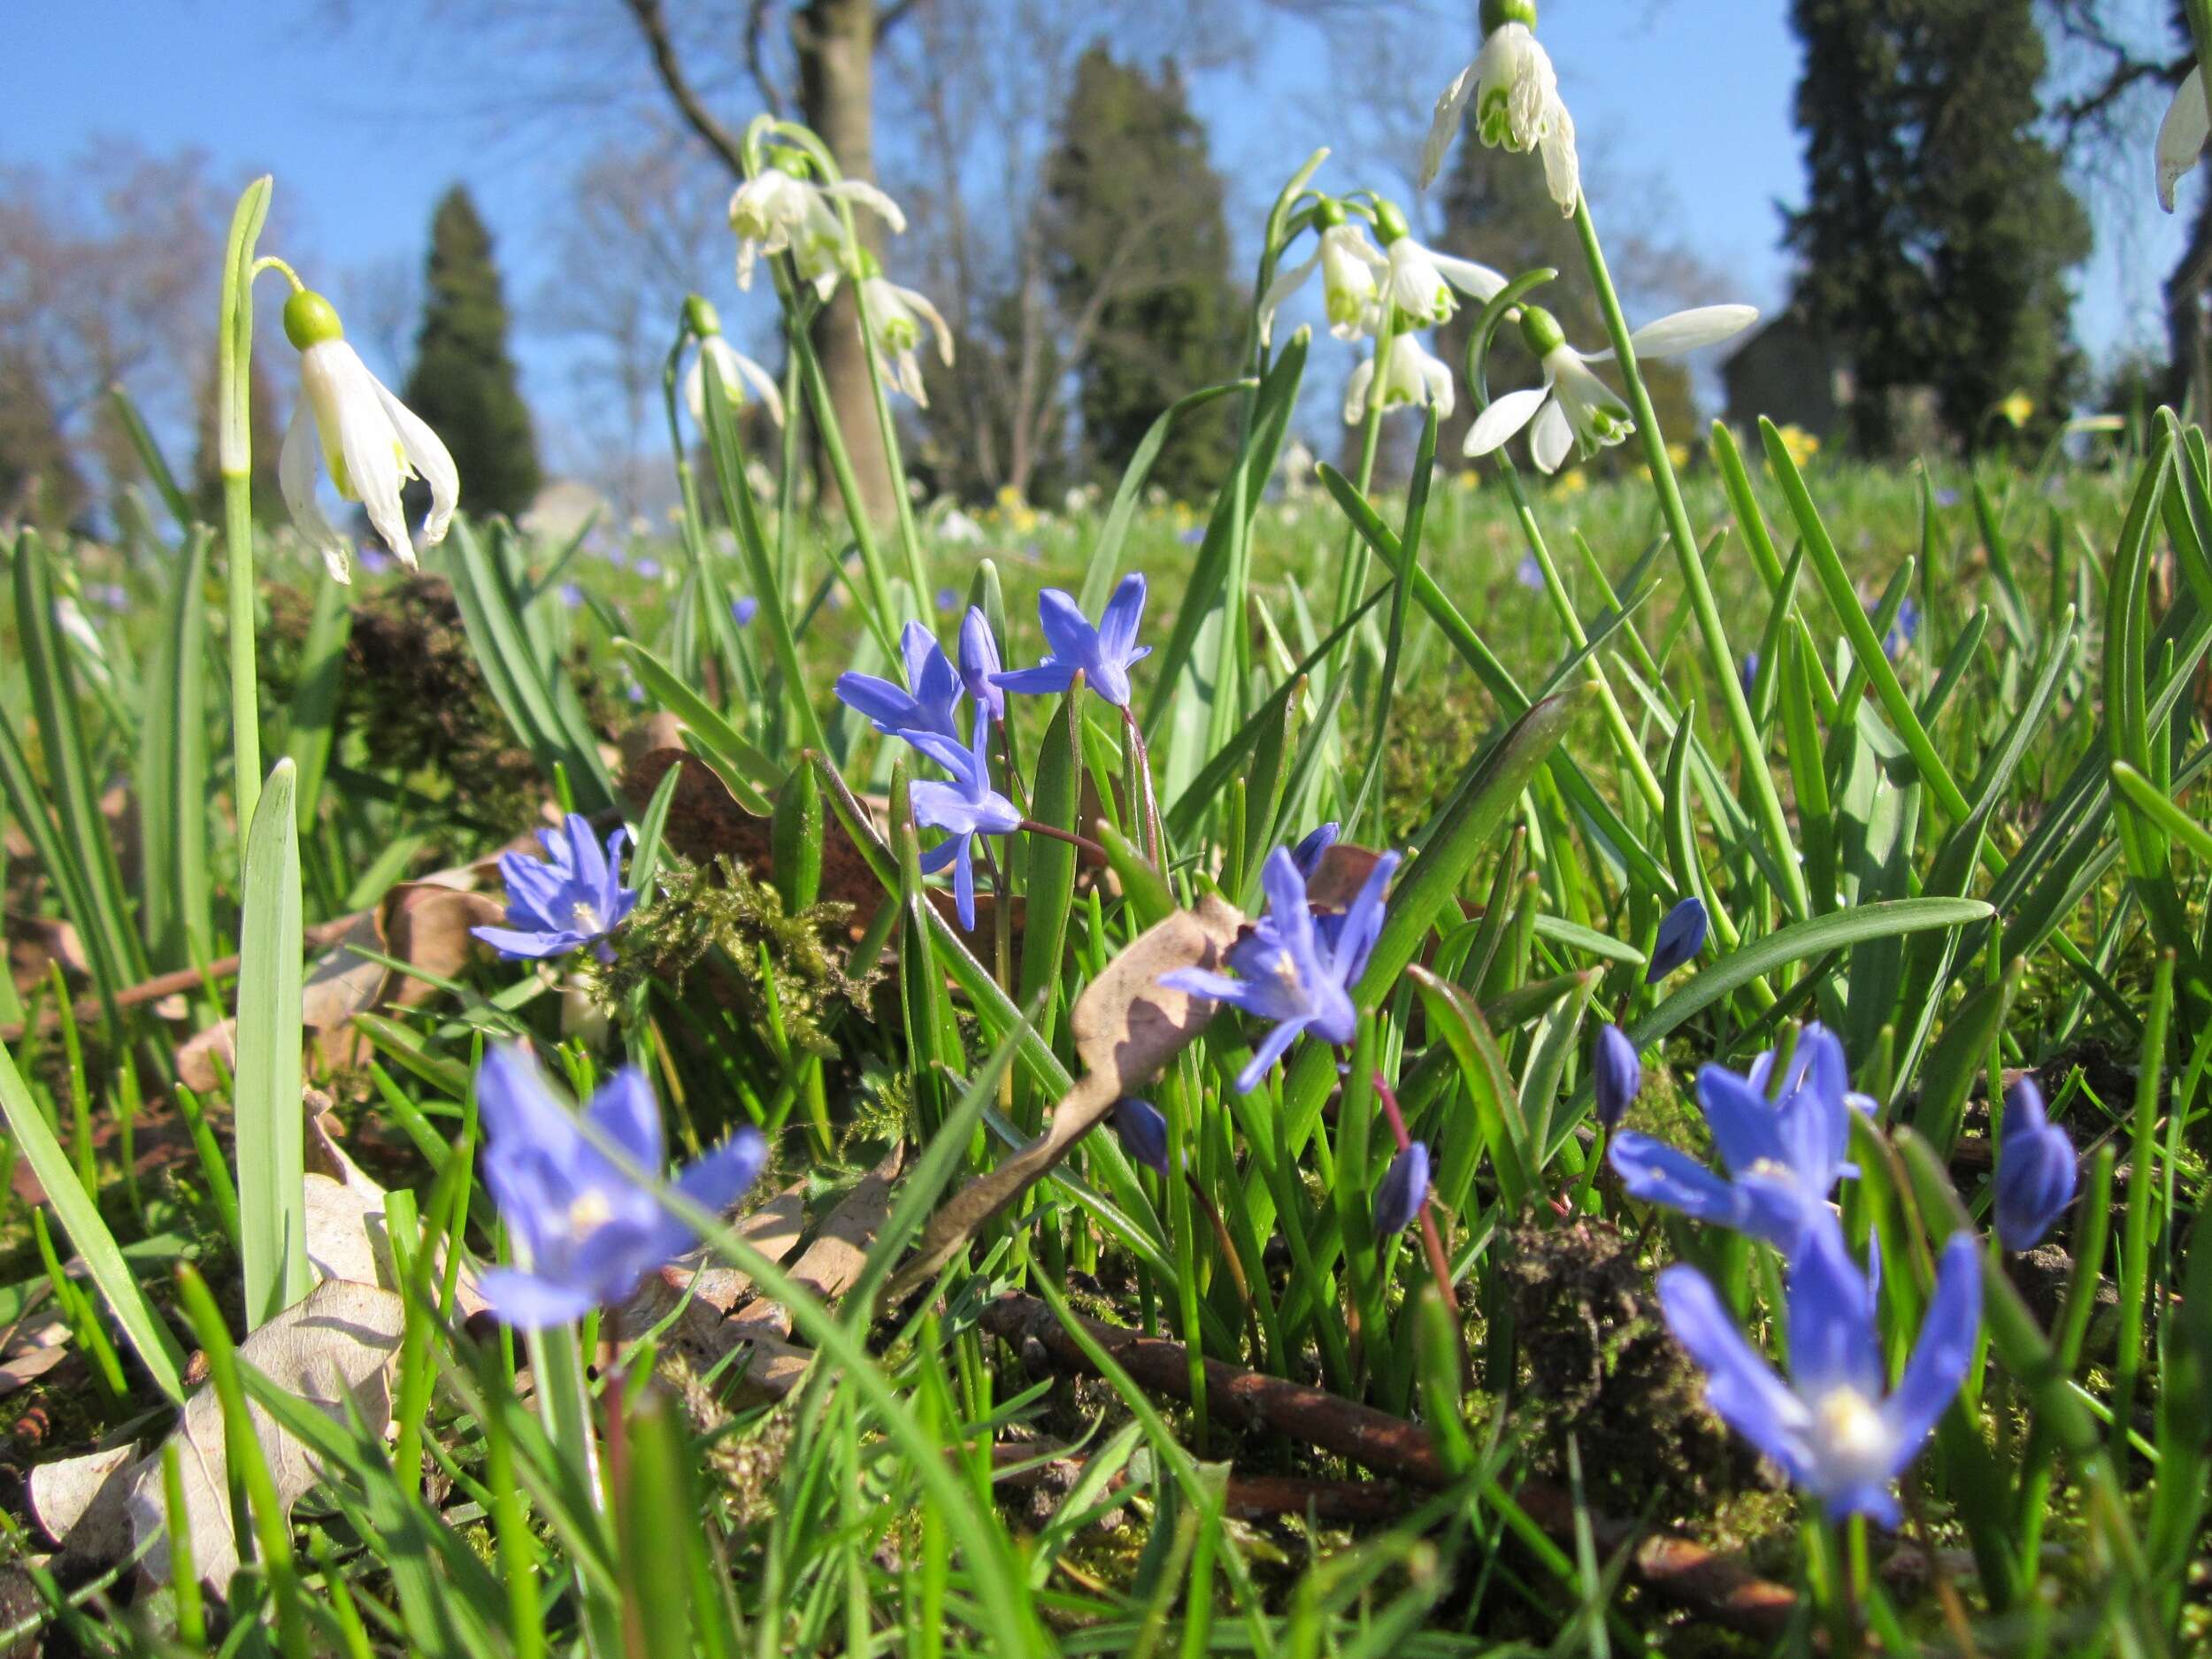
<point x="1834" y="1426"/>
<point x="924" y="711"/>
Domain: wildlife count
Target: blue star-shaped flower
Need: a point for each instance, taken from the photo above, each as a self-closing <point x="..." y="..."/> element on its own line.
<point x="1836" y="1429"/>
<point x="1103" y="653"/>
<point x="979" y="661"/>
<point x="968" y="807"/>
<point x="572" y="896"/>
<point x="585" y="1232"/>
<point x="1287" y="970"/>
<point x="1783" y="1157"/>
<point x="926" y="703"/>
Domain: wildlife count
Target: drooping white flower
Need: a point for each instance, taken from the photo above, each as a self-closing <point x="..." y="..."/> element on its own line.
<point x="1573" y="410"/>
<point x="737" y="372"/>
<point x="371" y="443"/>
<point x="1349" y="265"/>
<point x="1413" y="376"/>
<point x="2181" y="135"/>
<point x="776" y="211"/>
<point x="896" y="316"/>
<point x="1517" y="106"/>
<point x="1425" y="285"/>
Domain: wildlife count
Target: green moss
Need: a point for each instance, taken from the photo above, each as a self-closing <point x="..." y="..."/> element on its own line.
<point x="782" y="965"/>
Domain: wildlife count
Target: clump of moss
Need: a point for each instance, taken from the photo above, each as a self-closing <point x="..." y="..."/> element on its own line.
<point x="412" y="680"/>
<point x="1597" y="1361"/>
<point x="760" y="951"/>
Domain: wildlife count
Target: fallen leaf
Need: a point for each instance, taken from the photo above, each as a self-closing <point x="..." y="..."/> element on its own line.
<point x="1126" y="1026"/>
<point x="333" y="1349"/>
<point x="81" y="1503"/>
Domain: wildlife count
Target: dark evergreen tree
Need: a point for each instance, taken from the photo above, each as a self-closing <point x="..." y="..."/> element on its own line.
<point x="1939" y="228"/>
<point x="1136" y="239"/>
<point x="39" y="480"/>
<point x="463" y="381"/>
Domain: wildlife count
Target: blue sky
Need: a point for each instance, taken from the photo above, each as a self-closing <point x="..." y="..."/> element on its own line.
<point x="1694" y="95"/>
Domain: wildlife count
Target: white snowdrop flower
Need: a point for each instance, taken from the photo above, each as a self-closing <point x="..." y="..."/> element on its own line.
<point x="777" y="211"/>
<point x="371" y="443"/>
<point x="1425" y="285"/>
<point x="737" y="372"/>
<point x="1517" y="106"/>
<point x="896" y="315"/>
<point x="1350" y="269"/>
<point x="1573" y="410"/>
<point x="2181" y="135"/>
<point x="1413" y="376"/>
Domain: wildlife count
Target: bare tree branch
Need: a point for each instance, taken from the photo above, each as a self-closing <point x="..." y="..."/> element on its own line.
<point x="772" y="95"/>
<point x="653" y="25"/>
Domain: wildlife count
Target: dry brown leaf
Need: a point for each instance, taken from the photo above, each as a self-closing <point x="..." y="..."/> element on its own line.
<point x="333" y="1350"/>
<point x="1126" y="1026"/>
<point x="79" y="1502"/>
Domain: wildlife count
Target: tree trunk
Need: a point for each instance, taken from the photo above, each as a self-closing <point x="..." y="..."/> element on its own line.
<point x="836" y="42"/>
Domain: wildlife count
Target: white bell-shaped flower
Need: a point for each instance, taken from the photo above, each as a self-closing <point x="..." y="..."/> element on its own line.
<point x="370" y="444"/>
<point x="2181" y="135"/>
<point x="896" y="315"/>
<point x="776" y="211"/>
<point x="1517" y="106"/>
<point x="1350" y="269"/>
<point x="1413" y="376"/>
<point x="1575" y="410"/>
<point x="1425" y="285"/>
<point x="742" y="378"/>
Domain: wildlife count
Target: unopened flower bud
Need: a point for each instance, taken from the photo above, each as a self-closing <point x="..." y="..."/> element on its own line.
<point x="700" y="315"/>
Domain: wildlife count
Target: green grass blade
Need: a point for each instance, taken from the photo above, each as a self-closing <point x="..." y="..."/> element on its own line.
<point x="271" y="1126"/>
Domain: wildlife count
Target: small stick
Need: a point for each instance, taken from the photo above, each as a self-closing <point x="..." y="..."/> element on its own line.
<point x="1716" y="1587"/>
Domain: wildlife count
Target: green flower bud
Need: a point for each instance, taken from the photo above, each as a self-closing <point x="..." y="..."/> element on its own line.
<point x="310" y="320"/>
<point x="797" y="162"/>
<point x="1497" y="13"/>
<point x="1390" y="224"/>
<point x="1328" y="213"/>
<point x="700" y="314"/>
<point x="1540" y="331"/>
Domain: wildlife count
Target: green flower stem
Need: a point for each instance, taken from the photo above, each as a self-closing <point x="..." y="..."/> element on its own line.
<point x="910" y="538"/>
<point x="234" y="449"/>
<point x="1615" y="720"/>
<point x="841" y="460"/>
<point x="1765" y="801"/>
<point x="720" y="623"/>
<point x="1353" y="563"/>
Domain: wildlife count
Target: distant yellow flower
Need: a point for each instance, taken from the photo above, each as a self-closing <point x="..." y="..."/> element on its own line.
<point x="1469" y="478"/>
<point x="1572" y="482"/>
<point x="1799" y="444"/>
<point x="1677" y="455"/>
<point x="2018" y="409"/>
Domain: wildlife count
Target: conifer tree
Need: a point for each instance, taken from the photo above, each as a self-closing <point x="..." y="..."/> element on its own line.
<point x="1135" y="229"/>
<point x="463" y="381"/>
<point x="1938" y="229"/>
<point x="39" y="480"/>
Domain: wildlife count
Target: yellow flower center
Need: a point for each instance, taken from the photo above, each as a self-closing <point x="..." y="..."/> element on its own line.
<point x="585" y="918"/>
<point x="1851" y="1427"/>
<point x="588" y="1213"/>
